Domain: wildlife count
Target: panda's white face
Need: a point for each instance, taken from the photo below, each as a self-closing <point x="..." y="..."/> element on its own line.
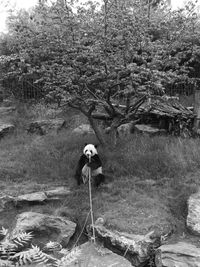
<point x="90" y="150"/>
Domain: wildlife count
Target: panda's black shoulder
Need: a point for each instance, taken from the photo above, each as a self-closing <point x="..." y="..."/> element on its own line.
<point x="95" y="162"/>
<point x="96" y="158"/>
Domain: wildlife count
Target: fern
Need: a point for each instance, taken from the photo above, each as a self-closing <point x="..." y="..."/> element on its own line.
<point x="69" y="258"/>
<point x="32" y="256"/>
<point x="12" y="252"/>
<point x="22" y="239"/>
<point x="7" y="249"/>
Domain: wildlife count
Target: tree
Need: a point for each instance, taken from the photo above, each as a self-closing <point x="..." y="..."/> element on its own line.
<point x="110" y="52"/>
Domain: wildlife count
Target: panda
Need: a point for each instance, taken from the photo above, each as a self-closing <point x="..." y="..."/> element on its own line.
<point x="82" y="170"/>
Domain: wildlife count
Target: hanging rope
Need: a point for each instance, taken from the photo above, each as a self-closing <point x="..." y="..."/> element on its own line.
<point x="91" y="209"/>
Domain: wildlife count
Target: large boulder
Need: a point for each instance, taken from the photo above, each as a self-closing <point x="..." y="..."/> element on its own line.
<point x="148" y="129"/>
<point x="42" y="127"/>
<point x="83" y="129"/>
<point x="134" y="247"/>
<point x="44" y="227"/>
<point x="125" y="129"/>
<point x="178" y="255"/>
<point x="6" y="128"/>
<point x="90" y="255"/>
<point x="193" y="217"/>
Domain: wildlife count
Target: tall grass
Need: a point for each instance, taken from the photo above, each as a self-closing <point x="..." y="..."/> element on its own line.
<point x="153" y="175"/>
<point x="56" y="155"/>
<point x="154" y="157"/>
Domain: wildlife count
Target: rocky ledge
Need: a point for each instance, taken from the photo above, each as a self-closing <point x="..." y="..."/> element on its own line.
<point x="134" y="247"/>
<point x="57" y="194"/>
<point x="181" y="254"/>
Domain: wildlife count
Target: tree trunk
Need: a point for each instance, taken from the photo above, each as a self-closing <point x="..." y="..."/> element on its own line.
<point x="113" y="130"/>
<point x="97" y="131"/>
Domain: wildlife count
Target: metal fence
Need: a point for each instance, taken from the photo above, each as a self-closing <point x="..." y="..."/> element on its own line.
<point x="23" y="90"/>
<point x="27" y="89"/>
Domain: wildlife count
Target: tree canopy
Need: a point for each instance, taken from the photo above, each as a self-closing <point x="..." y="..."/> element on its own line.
<point x="120" y="46"/>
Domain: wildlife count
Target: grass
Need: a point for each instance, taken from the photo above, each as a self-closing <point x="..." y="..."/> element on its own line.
<point x="148" y="178"/>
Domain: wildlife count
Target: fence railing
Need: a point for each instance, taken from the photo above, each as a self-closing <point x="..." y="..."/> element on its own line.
<point x="27" y="89"/>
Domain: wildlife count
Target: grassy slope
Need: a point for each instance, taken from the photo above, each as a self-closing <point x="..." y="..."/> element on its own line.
<point x="149" y="179"/>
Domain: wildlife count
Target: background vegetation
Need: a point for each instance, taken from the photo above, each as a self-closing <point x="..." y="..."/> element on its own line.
<point x="65" y="49"/>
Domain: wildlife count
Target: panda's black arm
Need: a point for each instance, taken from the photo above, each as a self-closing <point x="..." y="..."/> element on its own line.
<point x="82" y="161"/>
<point x="95" y="162"/>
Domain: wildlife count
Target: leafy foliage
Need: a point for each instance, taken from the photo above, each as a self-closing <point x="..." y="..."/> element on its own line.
<point x="32" y="256"/>
<point x="69" y="258"/>
<point x="18" y="251"/>
<point x="22" y="239"/>
<point x="128" y="46"/>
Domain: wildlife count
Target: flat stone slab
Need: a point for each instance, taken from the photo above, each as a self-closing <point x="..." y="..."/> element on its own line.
<point x="9" y="202"/>
<point x="91" y="256"/>
<point x="193" y="217"/>
<point x="49" y="195"/>
<point x="181" y="254"/>
<point x="32" y="197"/>
<point x="4" y="110"/>
<point x="57" y="193"/>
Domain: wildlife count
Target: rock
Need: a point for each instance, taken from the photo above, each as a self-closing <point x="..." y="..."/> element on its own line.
<point x="57" y="193"/>
<point x="125" y="129"/>
<point x="100" y="221"/>
<point x="142" y="128"/>
<point x="90" y="255"/>
<point x="44" y="126"/>
<point x="32" y="197"/>
<point x="193" y="217"/>
<point x="83" y="129"/>
<point x="136" y="247"/>
<point x="6" y="129"/>
<point x="6" y="110"/>
<point x="6" y="203"/>
<point x="107" y="130"/>
<point x="45" y="227"/>
<point x="178" y="255"/>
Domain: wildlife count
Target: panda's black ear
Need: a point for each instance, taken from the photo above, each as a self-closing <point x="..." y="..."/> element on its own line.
<point x="85" y="144"/>
<point x="95" y="146"/>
